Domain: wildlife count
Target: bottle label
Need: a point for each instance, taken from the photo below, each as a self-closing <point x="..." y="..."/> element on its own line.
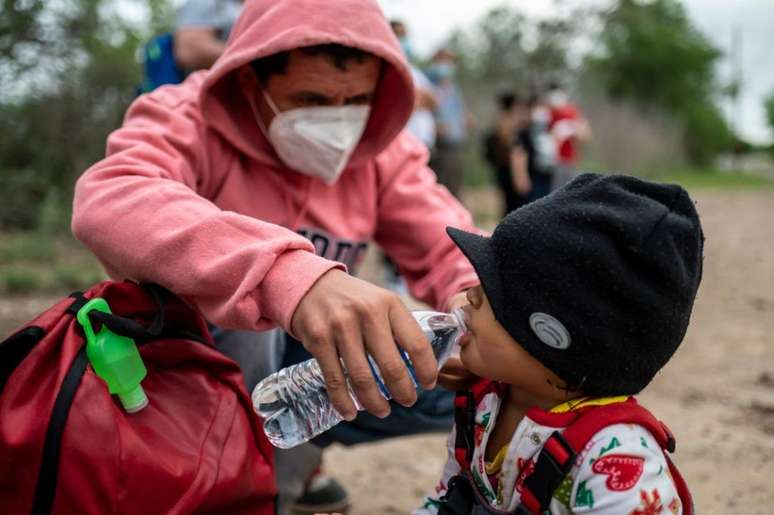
<point x="378" y="376"/>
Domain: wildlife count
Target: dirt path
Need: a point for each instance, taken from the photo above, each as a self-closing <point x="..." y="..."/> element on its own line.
<point x="717" y="394"/>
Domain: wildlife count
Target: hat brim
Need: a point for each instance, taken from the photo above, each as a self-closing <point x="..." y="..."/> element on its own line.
<point x="479" y="251"/>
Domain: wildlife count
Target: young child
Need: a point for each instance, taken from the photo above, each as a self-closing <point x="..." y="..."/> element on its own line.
<point x="584" y="296"/>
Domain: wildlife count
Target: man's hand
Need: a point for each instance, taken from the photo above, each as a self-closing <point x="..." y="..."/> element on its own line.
<point x="197" y="48"/>
<point x="340" y="319"/>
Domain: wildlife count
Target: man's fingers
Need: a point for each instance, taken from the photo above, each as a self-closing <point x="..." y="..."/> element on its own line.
<point x="381" y="346"/>
<point x="409" y="336"/>
<point x="335" y="381"/>
<point x="350" y="346"/>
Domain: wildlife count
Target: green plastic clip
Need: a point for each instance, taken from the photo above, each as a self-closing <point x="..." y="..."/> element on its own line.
<point x="114" y="358"/>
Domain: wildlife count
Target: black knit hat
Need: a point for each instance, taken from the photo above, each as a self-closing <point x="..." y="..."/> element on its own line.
<point x="597" y="280"/>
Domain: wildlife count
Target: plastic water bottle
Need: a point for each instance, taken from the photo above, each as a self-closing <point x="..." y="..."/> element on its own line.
<point x="294" y="402"/>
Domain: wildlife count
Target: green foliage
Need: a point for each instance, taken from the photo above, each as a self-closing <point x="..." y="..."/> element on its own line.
<point x="713" y="179"/>
<point x="76" y="276"/>
<point x="31" y="261"/>
<point x="27" y="247"/>
<point x="20" y="279"/>
<point x="505" y="49"/>
<point x="71" y="70"/>
<point x="768" y="105"/>
<point x="706" y="132"/>
<point x="652" y="54"/>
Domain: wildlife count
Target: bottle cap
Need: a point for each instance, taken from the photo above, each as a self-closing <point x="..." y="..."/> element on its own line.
<point x="134" y="400"/>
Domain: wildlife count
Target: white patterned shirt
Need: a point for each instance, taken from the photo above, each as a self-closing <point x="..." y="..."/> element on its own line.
<point x="621" y="471"/>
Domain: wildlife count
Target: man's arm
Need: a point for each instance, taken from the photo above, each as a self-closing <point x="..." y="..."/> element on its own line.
<point x="141" y="212"/>
<point x="519" y="173"/>
<point x="197" y="47"/>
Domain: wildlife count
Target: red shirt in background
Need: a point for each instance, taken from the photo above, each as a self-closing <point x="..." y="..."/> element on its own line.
<point x="564" y="127"/>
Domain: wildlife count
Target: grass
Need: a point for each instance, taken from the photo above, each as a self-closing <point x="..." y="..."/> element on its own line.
<point x="17" y="279"/>
<point x="714" y="179"/>
<point x="30" y="247"/>
<point x="35" y="261"/>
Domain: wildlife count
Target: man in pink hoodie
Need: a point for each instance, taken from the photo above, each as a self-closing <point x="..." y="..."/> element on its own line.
<point x="250" y="188"/>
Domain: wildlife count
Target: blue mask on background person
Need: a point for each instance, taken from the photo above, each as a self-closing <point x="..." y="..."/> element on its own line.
<point x="440" y="71"/>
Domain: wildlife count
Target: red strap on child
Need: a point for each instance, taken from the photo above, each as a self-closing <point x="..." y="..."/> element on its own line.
<point x="465" y="403"/>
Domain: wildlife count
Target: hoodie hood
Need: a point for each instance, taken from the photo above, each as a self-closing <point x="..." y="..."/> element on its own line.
<point x="267" y="27"/>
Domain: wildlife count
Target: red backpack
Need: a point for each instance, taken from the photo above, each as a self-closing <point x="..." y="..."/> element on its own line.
<point x="68" y="446"/>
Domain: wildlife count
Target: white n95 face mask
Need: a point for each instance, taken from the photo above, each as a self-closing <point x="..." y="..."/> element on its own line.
<point x="317" y="141"/>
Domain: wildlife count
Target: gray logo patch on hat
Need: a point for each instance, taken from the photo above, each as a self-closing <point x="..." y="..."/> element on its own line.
<point x="550" y="330"/>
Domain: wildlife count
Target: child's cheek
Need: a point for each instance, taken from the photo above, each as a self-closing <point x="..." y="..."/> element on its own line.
<point x="470" y="356"/>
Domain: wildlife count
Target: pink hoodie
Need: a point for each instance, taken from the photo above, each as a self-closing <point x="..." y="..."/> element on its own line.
<point x="192" y="196"/>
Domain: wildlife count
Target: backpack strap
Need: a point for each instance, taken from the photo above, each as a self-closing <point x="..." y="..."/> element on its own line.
<point x="464" y="417"/>
<point x="560" y="452"/>
<point x="465" y="403"/>
<point x="45" y="491"/>
<point x="123" y="325"/>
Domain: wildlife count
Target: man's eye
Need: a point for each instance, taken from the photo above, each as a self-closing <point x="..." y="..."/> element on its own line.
<point x="311" y="100"/>
<point x="359" y="100"/>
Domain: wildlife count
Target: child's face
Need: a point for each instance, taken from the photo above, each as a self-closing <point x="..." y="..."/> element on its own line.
<point x="489" y="351"/>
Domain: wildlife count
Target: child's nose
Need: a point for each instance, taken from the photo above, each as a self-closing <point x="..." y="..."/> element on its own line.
<point x="474" y="296"/>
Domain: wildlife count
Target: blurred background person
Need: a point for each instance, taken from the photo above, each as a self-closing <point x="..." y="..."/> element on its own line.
<point x="422" y="121"/>
<point x="521" y="150"/>
<point x="569" y="129"/>
<point x="499" y="145"/>
<point x="421" y="124"/>
<point x="201" y="30"/>
<point x="536" y="149"/>
<point x="451" y="122"/>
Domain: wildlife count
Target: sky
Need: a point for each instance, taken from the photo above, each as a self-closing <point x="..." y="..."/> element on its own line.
<point x="431" y="21"/>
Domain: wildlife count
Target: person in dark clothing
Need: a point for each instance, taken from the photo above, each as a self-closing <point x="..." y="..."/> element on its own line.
<point x="534" y="153"/>
<point x="499" y="145"/>
<point x="520" y="151"/>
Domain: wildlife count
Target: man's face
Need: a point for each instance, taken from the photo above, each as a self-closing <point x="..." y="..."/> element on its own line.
<point x="399" y="29"/>
<point x="314" y="80"/>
